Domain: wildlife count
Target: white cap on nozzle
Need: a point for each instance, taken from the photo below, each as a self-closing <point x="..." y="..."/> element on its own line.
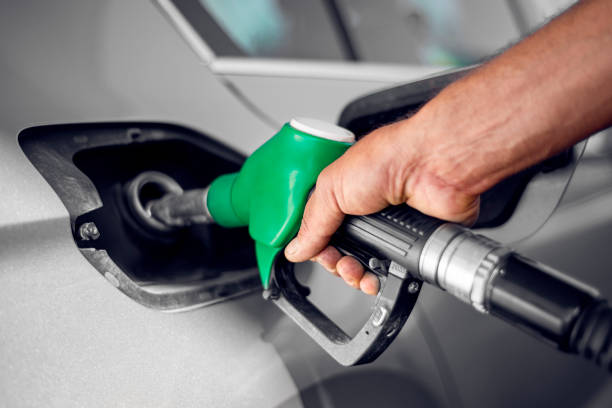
<point x="323" y="129"/>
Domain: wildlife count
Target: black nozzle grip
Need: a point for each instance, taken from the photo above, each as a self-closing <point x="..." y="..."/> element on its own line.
<point x="396" y="234"/>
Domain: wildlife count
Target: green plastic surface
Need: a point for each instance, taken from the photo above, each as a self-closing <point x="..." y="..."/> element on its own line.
<point x="217" y="201"/>
<point x="270" y="191"/>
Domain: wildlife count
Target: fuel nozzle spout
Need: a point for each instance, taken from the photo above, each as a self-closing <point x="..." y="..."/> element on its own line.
<point x="183" y="209"/>
<point x="158" y="202"/>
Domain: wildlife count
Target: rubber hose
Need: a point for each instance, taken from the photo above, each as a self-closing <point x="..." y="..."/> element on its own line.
<point x="592" y="335"/>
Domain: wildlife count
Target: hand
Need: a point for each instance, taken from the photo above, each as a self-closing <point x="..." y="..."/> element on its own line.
<point x="387" y="167"/>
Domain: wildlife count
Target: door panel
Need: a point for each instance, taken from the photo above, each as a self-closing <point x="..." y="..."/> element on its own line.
<point x="70" y="339"/>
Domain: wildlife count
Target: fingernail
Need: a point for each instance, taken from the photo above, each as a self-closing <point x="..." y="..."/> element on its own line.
<point x="292" y="248"/>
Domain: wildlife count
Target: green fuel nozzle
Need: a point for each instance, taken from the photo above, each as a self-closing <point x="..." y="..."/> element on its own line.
<point x="270" y="191"/>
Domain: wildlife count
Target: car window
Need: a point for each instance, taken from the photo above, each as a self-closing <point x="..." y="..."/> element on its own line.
<point x="441" y="32"/>
<point x="421" y="32"/>
<point x="278" y="29"/>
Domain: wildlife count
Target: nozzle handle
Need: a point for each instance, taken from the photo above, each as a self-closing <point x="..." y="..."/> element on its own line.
<point x="393" y="305"/>
<point x="388" y="243"/>
<point x="397" y="234"/>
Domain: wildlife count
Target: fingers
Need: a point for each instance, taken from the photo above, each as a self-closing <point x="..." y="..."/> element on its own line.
<point x="322" y="217"/>
<point x="349" y="269"/>
<point x="354" y="275"/>
<point x="328" y="258"/>
<point x="436" y="198"/>
<point x="369" y="284"/>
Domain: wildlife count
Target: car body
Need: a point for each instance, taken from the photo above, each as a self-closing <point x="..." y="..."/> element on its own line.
<point x="69" y="338"/>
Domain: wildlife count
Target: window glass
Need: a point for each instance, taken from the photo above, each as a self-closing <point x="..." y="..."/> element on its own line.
<point x="277" y="28"/>
<point x="446" y="32"/>
<point x="439" y="32"/>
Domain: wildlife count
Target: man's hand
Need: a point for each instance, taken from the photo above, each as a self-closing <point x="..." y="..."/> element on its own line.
<point x="534" y="100"/>
<point x="386" y="167"/>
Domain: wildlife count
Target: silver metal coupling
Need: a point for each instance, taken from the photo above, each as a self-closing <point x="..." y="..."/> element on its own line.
<point x="461" y="263"/>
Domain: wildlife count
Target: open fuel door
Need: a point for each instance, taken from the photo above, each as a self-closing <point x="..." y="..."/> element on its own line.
<point x="92" y="168"/>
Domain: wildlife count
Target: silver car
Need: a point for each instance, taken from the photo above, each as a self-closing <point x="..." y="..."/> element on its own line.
<point x="96" y="310"/>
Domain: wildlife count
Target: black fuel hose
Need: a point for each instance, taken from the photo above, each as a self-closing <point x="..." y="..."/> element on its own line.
<point x="591" y="336"/>
<point x="554" y="308"/>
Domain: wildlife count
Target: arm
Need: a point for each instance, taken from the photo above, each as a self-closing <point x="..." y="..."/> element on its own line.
<point x="539" y="97"/>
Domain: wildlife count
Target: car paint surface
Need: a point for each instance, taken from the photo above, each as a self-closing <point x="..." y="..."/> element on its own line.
<point x="70" y="339"/>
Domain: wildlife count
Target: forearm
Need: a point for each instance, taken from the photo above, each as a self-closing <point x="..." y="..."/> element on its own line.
<point x="539" y="97"/>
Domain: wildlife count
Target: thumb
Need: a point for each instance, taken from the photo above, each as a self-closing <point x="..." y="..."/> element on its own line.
<point x="322" y="217"/>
